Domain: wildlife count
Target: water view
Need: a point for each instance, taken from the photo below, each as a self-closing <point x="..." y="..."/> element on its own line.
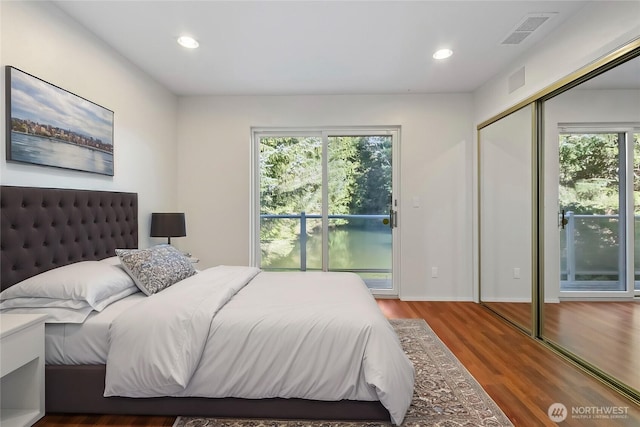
<point x="355" y="193"/>
<point x="51" y="152"/>
<point x="367" y="252"/>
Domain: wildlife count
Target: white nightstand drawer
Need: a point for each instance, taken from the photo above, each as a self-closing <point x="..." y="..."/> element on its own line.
<point x="21" y="369"/>
<point x="20" y="348"/>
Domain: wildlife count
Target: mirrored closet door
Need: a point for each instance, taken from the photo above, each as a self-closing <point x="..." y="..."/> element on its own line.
<point x="559" y="217"/>
<point x="591" y="227"/>
<point x="505" y="153"/>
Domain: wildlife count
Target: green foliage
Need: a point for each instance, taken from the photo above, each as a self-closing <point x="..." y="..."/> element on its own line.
<point x="18" y="125"/>
<point x="589" y="173"/>
<point x="373" y="190"/>
<point x="290" y="183"/>
<point x="341" y="174"/>
<point x="290" y="175"/>
<point x="589" y="185"/>
<point x="359" y="182"/>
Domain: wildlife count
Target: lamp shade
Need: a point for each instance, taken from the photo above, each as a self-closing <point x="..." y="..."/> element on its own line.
<point x="168" y="225"/>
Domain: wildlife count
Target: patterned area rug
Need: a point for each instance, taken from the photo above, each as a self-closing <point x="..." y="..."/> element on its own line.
<point x="445" y="394"/>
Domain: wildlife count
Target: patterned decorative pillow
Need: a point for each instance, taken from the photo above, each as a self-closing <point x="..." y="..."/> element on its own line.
<point x="156" y="268"/>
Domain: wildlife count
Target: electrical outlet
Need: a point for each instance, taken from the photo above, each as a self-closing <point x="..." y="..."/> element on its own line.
<point x="516" y="273"/>
<point x="434" y="271"/>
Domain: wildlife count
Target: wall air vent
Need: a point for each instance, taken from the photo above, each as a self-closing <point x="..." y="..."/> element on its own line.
<point x="516" y="80"/>
<point x="526" y="26"/>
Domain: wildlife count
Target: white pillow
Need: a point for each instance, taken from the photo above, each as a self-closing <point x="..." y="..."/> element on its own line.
<point x="93" y="282"/>
<point x="29" y="302"/>
<point x="55" y="314"/>
<point x="114" y="260"/>
<point x="156" y="268"/>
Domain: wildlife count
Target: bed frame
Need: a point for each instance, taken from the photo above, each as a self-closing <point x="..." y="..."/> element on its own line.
<point x="45" y="228"/>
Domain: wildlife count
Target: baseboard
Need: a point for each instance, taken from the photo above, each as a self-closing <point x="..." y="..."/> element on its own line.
<point x="440" y="299"/>
<point x="506" y="300"/>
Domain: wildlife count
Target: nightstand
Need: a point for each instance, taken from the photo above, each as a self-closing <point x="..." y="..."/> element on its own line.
<point x="21" y="369"/>
<point x="191" y="258"/>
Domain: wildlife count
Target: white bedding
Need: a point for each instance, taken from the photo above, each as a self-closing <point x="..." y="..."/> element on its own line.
<point x="307" y="335"/>
<point x="86" y="343"/>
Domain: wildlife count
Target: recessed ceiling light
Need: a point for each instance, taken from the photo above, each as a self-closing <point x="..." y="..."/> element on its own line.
<point x="188" y="42"/>
<point x="442" y="54"/>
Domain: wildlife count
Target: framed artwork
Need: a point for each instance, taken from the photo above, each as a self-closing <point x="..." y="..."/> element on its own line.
<point x="49" y="126"/>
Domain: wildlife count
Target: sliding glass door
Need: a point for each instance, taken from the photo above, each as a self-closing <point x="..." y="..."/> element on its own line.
<point x="290" y="200"/>
<point x="584" y="231"/>
<point x="599" y="213"/>
<point x="593" y="200"/>
<point x="360" y="231"/>
<point x="326" y="200"/>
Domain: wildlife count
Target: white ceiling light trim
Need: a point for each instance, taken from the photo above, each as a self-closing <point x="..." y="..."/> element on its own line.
<point x="188" y="42"/>
<point x="442" y="54"/>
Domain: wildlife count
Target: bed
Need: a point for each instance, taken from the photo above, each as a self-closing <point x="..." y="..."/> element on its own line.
<point x="47" y="229"/>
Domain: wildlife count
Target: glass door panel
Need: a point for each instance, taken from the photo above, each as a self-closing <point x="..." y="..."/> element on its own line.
<point x="359" y="176"/>
<point x="291" y="202"/>
<point x="325" y="203"/>
<point x="592" y="236"/>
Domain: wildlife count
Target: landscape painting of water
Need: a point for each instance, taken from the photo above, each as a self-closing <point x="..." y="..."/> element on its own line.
<point x="49" y="126"/>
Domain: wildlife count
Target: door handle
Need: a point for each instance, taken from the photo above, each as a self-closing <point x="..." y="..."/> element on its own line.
<point x="392" y="221"/>
<point x="393" y="218"/>
<point x="563" y="221"/>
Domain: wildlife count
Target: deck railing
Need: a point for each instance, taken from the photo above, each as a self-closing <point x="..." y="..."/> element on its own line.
<point x="303" y="216"/>
<point x="572" y="271"/>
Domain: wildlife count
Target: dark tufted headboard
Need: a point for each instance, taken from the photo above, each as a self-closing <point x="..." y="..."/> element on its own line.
<point x="44" y="228"/>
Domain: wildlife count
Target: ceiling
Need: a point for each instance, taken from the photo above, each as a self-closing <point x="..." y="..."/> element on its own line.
<point x="316" y="47"/>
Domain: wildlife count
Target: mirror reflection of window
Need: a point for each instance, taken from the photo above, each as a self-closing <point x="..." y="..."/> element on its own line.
<point x="592" y="221"/>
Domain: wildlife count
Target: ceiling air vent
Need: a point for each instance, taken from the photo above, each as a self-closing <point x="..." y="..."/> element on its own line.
<point x="526" y="26"/>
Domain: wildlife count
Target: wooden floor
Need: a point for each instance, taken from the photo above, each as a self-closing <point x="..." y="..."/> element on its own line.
<point x="588" y="328"/>
<point x="522" y="376"/>
<point x="604" y="333"/>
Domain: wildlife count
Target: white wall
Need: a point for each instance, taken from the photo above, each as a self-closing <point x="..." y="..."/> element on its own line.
<point x="214" y="172"/>
<point x="596" y="30"/>
<point x="39" y="39"/>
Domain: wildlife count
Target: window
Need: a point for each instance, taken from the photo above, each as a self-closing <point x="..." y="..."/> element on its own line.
<point x="599" y="198"/>
<point x="326" y="200"/>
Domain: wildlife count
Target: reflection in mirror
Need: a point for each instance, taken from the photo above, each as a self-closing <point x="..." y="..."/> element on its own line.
<point x="592" y="208"/>
<point x="505" y="150"/>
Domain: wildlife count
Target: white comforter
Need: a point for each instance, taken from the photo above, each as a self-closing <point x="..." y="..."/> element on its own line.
<point x="237" y="332"/>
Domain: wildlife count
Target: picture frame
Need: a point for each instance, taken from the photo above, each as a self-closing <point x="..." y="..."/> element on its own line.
<point x="50" y="126"/>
